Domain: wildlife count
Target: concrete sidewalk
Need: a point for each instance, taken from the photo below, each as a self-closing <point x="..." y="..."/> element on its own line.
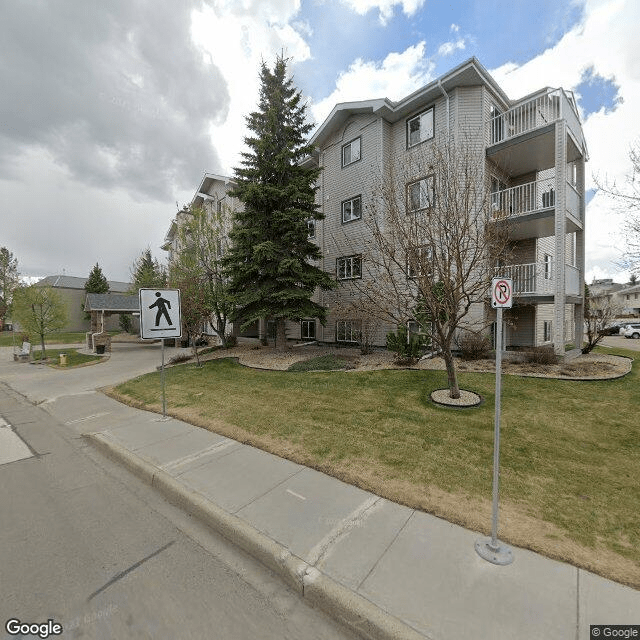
<point x="382" y="569"/>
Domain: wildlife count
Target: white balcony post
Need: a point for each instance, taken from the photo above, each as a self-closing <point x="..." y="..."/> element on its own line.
<point x="560" y="236"/>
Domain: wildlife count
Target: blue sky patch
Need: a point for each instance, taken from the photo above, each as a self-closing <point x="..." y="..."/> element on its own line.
<point x="596" y="92"/>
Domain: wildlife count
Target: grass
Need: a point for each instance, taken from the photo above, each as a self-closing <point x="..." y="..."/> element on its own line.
<point x="570" y="458"/>
<point x="74" y="359"/>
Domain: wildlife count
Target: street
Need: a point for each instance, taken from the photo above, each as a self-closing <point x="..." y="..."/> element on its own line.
<point x="87" y="545"/>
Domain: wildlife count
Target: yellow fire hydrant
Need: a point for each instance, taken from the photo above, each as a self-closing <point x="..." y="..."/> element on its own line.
<point x="63" y="359"/>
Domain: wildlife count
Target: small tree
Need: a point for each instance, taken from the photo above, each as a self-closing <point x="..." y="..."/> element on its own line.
<point x="270" y="262"/>
<point x="598" y="313"/>
<point x="194" y="309"/>
<point x="39" y="310"/>
<point x="203" y="240"/>
<point x="9" y="281"/>
<point x="434" y="243"/>
<point x="147" y="273"/>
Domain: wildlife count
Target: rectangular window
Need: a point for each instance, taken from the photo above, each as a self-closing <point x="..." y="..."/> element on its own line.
<point x="421" y="194"/>
<point x="418" y="261"/>
<point x="349" y="267"/>
<point x="352" y="209"/>
<point x="348" y="330"/>
<point x="308" y="330"/>
<point x="547" y="330"/>
<point x="548" y="267"/>
<point x="420" y="128"/>
<point x="351" y="152"/>
<point x="311" y="228"/>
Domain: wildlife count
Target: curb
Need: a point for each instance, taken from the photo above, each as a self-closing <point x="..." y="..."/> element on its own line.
<point x="348" y="608"/>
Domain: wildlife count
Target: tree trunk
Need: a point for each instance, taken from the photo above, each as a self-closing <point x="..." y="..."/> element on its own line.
<point x="454" y="390"/>
<point x="281" y="335"/>
<point x="43" y="353"/>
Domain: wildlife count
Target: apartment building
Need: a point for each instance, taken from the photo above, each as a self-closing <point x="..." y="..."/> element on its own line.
<point x="534" y="162"/>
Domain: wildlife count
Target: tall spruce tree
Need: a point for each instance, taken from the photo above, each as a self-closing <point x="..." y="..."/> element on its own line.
<point x="270" y="260"/>
<point x="96" y="282"/>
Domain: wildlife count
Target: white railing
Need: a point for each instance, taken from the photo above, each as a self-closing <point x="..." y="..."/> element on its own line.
<point x="525" y="198"/>
<point x="525" y="117"/>
<point x="573" y="201"/>
<point x="537" y="278"/>
<point x="571" y="280"/>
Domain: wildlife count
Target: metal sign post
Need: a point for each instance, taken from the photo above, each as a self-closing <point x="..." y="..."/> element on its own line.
<point x="160" y="317"/>
<point x="491" y="549"/>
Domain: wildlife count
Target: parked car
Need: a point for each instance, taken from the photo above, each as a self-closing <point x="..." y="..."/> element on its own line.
<point x="632" y="330"/>
<point x="612" y="329"/>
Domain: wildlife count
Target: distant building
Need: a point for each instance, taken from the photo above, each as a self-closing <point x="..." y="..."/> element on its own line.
<point x="71" y="290"/>
<point x="628" y="299"/>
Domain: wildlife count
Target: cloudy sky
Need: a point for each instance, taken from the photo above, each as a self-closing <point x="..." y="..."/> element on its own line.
<point x="111" y="112"/>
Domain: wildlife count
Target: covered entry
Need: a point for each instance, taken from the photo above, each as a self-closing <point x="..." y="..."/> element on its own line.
<point x="103" y="305"/>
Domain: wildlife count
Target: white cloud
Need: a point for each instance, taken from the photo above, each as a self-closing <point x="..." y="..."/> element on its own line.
<point x="238" y="36"/>
<point x="396" y="76"/>
<point x="606" y="40"/>
<point x="385" y="7"/>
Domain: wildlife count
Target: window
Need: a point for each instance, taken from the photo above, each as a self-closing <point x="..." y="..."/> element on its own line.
<point x="348" y="330"/>
<point x="417" y="260"/>
<point x="349" y="267"/>
<point x="547" y="331"/>
<point x="311" y="228"/>
<point x="352" y="209"/>
<point x="420" y="128"/>
<point x="548" y="267"/>
<point x="351" y="152"/>
<point x="308" y="330"/>
<point x="421" y="194"/>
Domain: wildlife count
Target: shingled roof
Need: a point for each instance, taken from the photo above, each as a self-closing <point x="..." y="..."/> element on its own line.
<point x="111" y="302"/>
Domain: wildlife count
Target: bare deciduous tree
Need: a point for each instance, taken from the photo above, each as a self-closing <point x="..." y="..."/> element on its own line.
<point x="433" y="242"/>
<point x="599" y="311"/>
<point x="627" y="198"/>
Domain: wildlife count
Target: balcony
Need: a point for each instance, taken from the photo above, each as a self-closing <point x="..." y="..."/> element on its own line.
<point x="529" y="208"/>
<point x="531" y="126"/>
<point x="538" y="279"/>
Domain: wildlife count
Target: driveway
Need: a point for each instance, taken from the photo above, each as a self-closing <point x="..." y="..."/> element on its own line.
<point x="40" y="383"/>
<point x="621" y="342"/>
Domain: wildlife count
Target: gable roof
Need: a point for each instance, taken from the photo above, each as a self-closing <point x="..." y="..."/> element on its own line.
<point x="73" y="282"/>
<point x="111" y="302"/>
<point x="469" y="73"/>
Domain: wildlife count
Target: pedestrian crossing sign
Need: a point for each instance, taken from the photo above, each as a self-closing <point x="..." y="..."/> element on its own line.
<point x="160" y="314"/>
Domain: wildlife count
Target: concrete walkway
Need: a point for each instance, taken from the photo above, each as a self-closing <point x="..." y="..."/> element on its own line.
<point x="383" y="569"/>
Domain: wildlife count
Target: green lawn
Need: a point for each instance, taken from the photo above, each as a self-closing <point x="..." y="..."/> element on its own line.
<point x="570" y="451"/>
<point x="74" y="358"/>
<point x="6" y="339"/>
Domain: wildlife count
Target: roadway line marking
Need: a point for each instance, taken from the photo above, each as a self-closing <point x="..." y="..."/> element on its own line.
<point x="95" y="415"/>
<point x="192" y="457"/>
<point x="297" y="495"/>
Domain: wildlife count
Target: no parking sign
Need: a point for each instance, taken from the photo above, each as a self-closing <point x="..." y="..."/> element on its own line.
<point x="502" y="293"/>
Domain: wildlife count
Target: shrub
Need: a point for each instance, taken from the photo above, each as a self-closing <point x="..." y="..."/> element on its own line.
<point x="541" y="355"/>
<point x="407" y="347"/>
<point x="126" y="323"/>
<point x="327" y="362"/>
<point x="230" y="340"/>
<point x="474" y="346"/>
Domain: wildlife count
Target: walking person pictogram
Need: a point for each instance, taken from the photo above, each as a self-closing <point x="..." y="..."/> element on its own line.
<point x="162" y="304"/>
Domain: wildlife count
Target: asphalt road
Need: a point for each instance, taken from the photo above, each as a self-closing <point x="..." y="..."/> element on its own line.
<point x="86" y="544"/>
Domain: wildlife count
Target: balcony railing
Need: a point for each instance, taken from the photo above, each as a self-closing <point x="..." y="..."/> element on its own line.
<point x="537" y="278"/>
<point x="533" y="114"/>
<point x="525" y="198"/>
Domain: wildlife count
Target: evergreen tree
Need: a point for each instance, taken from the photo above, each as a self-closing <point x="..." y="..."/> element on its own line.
<point x="96" y="282"/>
<point x="270" y="261"/>
<point x="147" y="273"/>
<point x="9" y="281"/>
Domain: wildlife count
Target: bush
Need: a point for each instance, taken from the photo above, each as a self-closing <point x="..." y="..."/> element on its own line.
<point x="474" y="346"/>
<point x="541" y="355"/>
<point x="407" y="347"/>
<point x="328" y="362"/>
<point x="230" y="340"/>
<point x="126" y="323"/>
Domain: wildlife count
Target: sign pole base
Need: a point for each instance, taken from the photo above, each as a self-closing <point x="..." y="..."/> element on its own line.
<point x="495" y="553"/>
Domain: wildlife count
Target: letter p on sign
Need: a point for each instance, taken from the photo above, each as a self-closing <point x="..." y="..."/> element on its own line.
<point x="502" y="293"/>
